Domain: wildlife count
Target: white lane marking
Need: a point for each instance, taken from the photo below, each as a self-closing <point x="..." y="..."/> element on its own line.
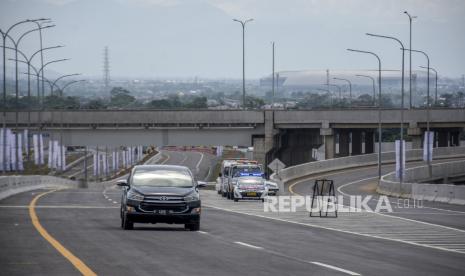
<point x="200" y="161"/>
<point x="202" y="232"/>
<point x="335" y="229"/>
<point x="336" y="268"/>
<point x="185" y="158"/>
<point x="109" y="199"/>
<point x="165" y="153"/>
<point x="115" y="202"/>
<point x="353" y="182"/>
<point x="248" y="245"/>
<point x="398" y="217"/>
<point x="393" y="202"/>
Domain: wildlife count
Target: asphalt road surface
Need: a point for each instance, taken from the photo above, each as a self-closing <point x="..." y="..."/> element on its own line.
<point x="73" y="231"/>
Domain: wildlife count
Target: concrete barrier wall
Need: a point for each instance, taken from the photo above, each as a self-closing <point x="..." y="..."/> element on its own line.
<point x="360" y="160"/>
<point x="10" y="185"/>
<point x="455" y="194"/>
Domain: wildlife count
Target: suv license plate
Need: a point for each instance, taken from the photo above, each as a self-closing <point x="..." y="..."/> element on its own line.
<point x="252" y="194"/>
<point x="160" y="212"/>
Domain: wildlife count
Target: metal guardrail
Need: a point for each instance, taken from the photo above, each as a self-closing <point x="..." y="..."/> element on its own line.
<point x="10" y="185"/>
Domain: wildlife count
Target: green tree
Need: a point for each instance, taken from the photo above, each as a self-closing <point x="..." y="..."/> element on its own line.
<point x="120" y="97"/>
<point x="95" y="104"/>
<point x="253" y="102"/>
<point x="159" y="104"/>
<point x="197" y="102"/>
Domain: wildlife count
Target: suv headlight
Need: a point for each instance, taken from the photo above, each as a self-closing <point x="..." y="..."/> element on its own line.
<point x="194" y="196"/>
<point x="133" y="195"/>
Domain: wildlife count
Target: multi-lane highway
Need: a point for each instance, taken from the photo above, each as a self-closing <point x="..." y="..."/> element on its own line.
<point x="72" y="231"/>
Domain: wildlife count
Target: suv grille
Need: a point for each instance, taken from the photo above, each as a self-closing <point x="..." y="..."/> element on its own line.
<point x="173" y="207"/>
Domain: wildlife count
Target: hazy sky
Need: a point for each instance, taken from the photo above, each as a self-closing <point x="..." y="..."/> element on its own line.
<point x="188" y="38"/>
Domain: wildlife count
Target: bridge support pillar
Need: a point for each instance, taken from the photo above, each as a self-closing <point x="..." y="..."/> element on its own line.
<point x="369" y="141"/>
<point x="263" y="145"/>
<point x="328" y="137"/>
<point x="416" y="134"/>
<point x="356" y="142"/>
<point x="344" y="142"/>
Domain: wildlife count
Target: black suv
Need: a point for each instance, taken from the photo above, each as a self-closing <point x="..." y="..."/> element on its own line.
<point x="160" y="193"/>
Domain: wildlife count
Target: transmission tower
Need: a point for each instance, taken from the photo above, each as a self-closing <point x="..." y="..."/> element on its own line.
<point x="106" y="69"/>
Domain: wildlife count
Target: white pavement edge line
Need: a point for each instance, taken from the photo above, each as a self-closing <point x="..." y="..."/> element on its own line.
<point x="200" y="161"/>
<point x="248" y="245"/>
<point x="402" y="218"/>
<point x="334" y="229"/>
<point x="183" y="160"/>
<point x="370" y="178"/>
<point x="167" y="155"/>
<point x="336" y="268"/>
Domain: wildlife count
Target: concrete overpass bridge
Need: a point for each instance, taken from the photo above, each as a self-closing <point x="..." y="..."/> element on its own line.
<point x="288" y="134"/>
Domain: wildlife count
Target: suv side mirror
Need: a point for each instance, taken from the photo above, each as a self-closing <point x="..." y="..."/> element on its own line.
<point x="201" y="184"/>
<point x="122" y="183"/>
<point x="220" y="174"/>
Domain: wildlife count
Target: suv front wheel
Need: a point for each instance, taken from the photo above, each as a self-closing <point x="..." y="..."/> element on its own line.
<point x="193" y="226"/>
<point x="125" y="223"/>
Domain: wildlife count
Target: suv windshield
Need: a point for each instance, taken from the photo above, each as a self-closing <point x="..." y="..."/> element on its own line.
<point x="162" y="178"/>
<point x="246" y="171"/>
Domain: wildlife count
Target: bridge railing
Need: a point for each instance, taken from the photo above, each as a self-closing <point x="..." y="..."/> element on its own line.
<point x="311" y="168"/>
<point x="10" y="185"/>
<point x="410" y="188"/>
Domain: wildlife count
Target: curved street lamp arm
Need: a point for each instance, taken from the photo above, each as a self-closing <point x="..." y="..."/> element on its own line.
<point x="366" y="76"/>
<point x="410" y="16"/>
<point x="70" y="83"/>
<point x="431" y="68"/>
<point x="30" y="31"/>
<point x="43" y="49"/>
<point x="65" y="76"/>
<point x="53" y="61"/>
<point x="29" y="64"/>
<point x="389" y="37"/>
<point x="43" y="78"/>
<point x="10" y="48"/>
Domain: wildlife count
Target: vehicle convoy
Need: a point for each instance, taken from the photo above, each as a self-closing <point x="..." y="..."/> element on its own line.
<point x="239" y="170"/>
<point x="273" y="188"/>
<point x="250" y="188"/>
<point x="223" y="176"/>
<point x="160" y="194"/>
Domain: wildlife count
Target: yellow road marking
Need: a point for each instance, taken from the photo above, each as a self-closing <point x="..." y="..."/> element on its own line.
<point x="81" y="266"/>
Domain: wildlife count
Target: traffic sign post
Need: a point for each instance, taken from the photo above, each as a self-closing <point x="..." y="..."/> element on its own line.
<point x="276" y="166"/>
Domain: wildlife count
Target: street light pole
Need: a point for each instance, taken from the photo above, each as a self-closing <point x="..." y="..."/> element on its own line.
<point x="436" y="83"/>
<point x="428" y="152"/>
<point x="339" y="88"/>
<point x="401" y="144"/>
<point x="243" y="23"/>
<point x="410" y="17"/>
<point x="62" y="90"/>
<point x="4" y="36"/>
<point x="374" y="88"/>
<point x="350" y="89"/>
<point x="380" y="136"/>
<point x="28" y="63"/>
<point x="272" y="78"/>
